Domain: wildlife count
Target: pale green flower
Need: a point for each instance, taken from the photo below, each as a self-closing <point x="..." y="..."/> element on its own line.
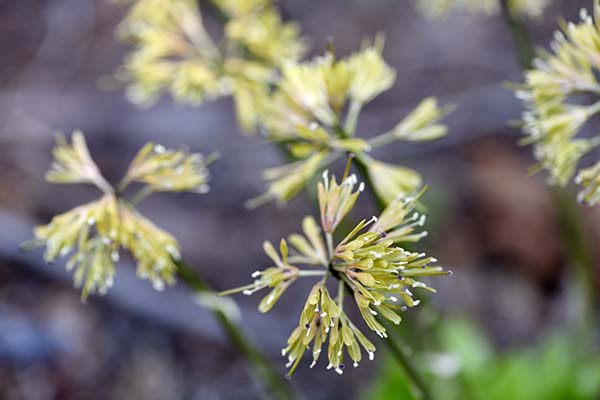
<point x="421" y="124"/>
<point x="315" y="107"/>
<point x="73" y="163"/>
<point x="589" y="178"/>
<point x="265" y="35"/>
<point x="370" y="75"/>
<point x="390" y="181"/>
<point x="367" y="263"/>
<point x="554" y="117"/>
<point x="172" y="52"/>
<point x="168" y="170"/>
<point x="439" y="8"/>
<point x="288" y="180"/>
<point x="95" y="233"/>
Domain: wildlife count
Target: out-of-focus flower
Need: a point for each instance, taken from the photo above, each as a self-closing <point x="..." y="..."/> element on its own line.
<point x="391" y="180"/>
<point x="553" y="120"/>
<point x="73" y="163"/>
<point x="279" y="277"/>
<point x="95" y="233"/>
<point x="589" y="178"/>
<point x="168" y="170"/>
<point x="367" y="263"/>
<point x="370" y="75"/>
<point x="439" y="8"/>
<point x="173" y="52"/>
<point x="288" y="180"/>
<point x="315" y="107"/>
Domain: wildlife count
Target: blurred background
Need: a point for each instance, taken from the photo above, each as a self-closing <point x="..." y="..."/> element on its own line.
<point x="509" y="324"/>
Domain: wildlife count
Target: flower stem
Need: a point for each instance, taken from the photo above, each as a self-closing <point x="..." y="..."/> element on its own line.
<point x="520" y="35"/>
<point x="382" y="139"/>
<point x="304" y="273"/>
<point x="419" y="387"/>
<point x="352" y="117"/>
<point x="141" y="195"/>
<point x="364" y="172"/>
<point x="329" y="238"/>
<point x="272" y="379"/>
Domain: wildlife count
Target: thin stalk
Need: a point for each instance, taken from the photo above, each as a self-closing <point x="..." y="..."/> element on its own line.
<point x="579" y="254"/>
<point x="103" y="185"/>
<point x="383" y="139"/>
<point x="418" y="384"/>
<point x="364" y="172"/>
<point x="329" y="239"/>
<point x="305" y="273"/>
<point x="352" y="117"/>
<point x="274" y="381"/>
<point x="341" y="295"/>
<point x="520" y="35"/>
<point x="141" y="195"/>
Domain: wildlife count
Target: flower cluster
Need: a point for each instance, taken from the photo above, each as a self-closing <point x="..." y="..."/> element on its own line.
<point x="96" y="232"/>
<point x="368" y="264"/>
<point x="438" y="8"/>
<point x="173" y="52"/>
<point x="555" y="114"/>
<point x="314" y="110"/>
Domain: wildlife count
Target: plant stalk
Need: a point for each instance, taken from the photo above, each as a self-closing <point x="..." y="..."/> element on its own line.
<point x="273" y="380"/>
<point x="520" y="36"/>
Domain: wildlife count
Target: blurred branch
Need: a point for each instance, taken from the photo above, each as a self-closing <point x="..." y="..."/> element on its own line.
<point x="277" y="386"/>
<point x="172" y="309"/>
<point x="520" y="35"/>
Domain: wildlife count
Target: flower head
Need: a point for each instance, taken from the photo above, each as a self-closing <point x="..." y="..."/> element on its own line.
<point x="335" y="201"/>
<point x="168" y="170"/>
<point x="73" y="163"/>
<point x="174" y="53"/>
<point x="553" y="119"/>
<point x="95" y="233"/>
<point x="391" y="181"/>
<point x="368" y="264"/>
<point x="315" y="107"/>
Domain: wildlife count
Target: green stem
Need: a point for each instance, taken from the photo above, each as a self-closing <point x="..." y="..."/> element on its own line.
<point x="141" y="195"/>
<point x="383" y="139"/>
<point x="418" y="384"/>
<point x="520" y="35"/>
<point x="364" y="172"/>
<point x="103" y="185"/>
<point x="579" y="254"/>
<point x="352" y="117"/>
<point x="272" y="379"/>
<point x="329" y="239"/>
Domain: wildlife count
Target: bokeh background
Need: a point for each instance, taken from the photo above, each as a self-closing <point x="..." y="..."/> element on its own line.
<point x="497" y="228"/>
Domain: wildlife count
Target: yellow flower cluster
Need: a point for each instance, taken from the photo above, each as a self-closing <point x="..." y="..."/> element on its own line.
<point x="314" y="110"/>
<point x="439" y="8"/>
<point x="367" y="263"/>
<point x="555" y="115"/>
<point x="173" y="52"/>
<point x="95" y="233"/>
